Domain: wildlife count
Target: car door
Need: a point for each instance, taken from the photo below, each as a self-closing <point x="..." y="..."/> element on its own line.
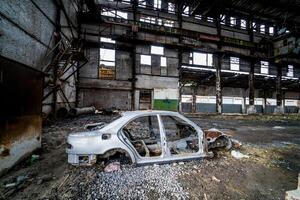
<point x="181" y="138"/>
<point x="143" y="135"/>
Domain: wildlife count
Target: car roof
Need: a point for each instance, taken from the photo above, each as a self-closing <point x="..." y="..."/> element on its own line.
<point x="128" y="115"/>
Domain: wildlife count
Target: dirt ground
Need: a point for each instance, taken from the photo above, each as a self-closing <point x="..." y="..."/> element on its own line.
<point x="271" y="142"/>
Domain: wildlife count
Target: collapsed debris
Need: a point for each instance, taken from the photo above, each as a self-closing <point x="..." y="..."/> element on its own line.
<point x="80" y="111"/>
<point x="217" y="139"/>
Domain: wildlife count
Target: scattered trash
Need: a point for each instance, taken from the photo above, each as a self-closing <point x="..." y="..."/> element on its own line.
<point x="238" y="155"/>
<point x="33" y="159"/>
<point x="181" y="163"/>
<point x="215" y="179"/>
<point x="235" y="143"/>
<point x="114" y="166"/>
<point x="278" y="127"/>
<point x="8" y="185"/>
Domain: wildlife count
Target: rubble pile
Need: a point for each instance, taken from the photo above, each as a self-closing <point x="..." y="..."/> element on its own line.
<point x="145" y="182"/>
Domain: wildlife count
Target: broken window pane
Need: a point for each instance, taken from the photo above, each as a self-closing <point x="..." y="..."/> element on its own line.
<point x="144" y="135"/>
<point x="181" y="137"/>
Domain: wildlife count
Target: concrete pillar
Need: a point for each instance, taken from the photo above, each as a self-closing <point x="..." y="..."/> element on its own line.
<point x="244" y="107"/>
<point x="194" y="99"/>
<point x="179" y="106"/>
<point x="251" y="109"/>
<point x="279" y="107"/>
<point x="264" y="104"/>
<point x="218" y="85"/>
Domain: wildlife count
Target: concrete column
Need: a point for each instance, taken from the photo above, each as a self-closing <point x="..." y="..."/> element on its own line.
<point x="244" y="109"/>
<point x="264" y="104"/>
<point x="218" y="85"/>
<point x="279" y="108"/>
<point x="179" y="106"/>
<point x="251" y="109"/>
<point x="194" y="99"/>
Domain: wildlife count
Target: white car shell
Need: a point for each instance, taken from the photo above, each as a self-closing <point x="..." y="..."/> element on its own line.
<point x="84" y="147"/>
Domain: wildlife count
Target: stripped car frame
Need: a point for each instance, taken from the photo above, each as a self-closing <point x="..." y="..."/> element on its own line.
<point x="143" y="136"/>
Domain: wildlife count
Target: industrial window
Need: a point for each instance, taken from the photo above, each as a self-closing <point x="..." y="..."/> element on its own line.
<point x="157" y="50"/>
<point x="290" y="71"/>
<point x="186" y="11"/>
<point x="262" y="29"/>
<point x="114" y="13"/>
<point x="159" y="21"/>
<point x="243" y="24"/>
<point x="145" y="60"/>
<point x="204" y="59"/>
<point x="163" y="61"/>
<point x="223" y="19"/>
<point x="163" y="65"/>
<point x="232" y="21"/>
<point x="122" y="15"/>
<point x="254" y="26"/>
<point x="157" y="4"/>
<point x="271" y="30"/>
<point x="142" y="3"/>
<point x="107" y="40"/>
<point x="171" y="8"/>
<point x="169" y="23"/>
<point x="234" y="63"/>
<point x="264" y="67"/>
<point x="210" y="19"/>
<point x="198" y="17"/>
<point x="107" y="64"/>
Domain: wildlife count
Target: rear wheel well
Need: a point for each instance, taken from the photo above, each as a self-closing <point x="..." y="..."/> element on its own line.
<point x="117" y="154"/>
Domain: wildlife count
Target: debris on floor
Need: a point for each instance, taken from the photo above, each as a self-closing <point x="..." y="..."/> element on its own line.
<point x="218" y="139"/>
<point x="113" y="166"/>
<point x="238" y="155"/>
<point x="215" y="179"/>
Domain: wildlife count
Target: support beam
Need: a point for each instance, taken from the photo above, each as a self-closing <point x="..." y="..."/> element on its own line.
<point x="279" y="108"/>
<point x="219" y="58"/>
<point x="194" y="98"/>
<point x="218" y="85"/>
<point x="251" y="109"/>
<point x="133" y="56"/>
